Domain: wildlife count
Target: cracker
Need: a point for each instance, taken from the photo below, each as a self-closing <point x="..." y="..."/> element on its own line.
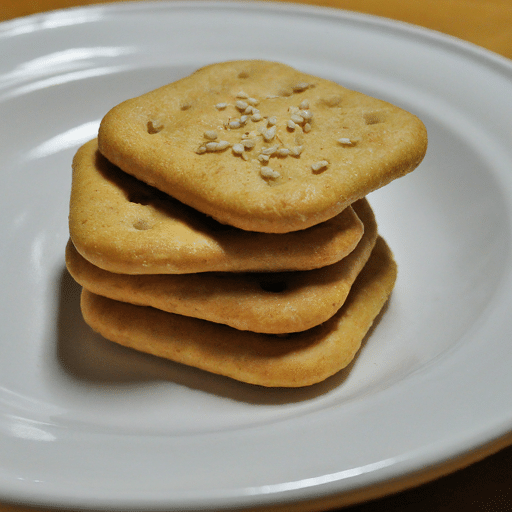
<point x="312" y="148"/>
<point x="295" y="360"/>
<point x="120" y="224"/>
<point x="281" y="302"/>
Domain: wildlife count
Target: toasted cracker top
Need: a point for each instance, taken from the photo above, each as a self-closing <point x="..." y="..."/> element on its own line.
<point x="262" y="146"/>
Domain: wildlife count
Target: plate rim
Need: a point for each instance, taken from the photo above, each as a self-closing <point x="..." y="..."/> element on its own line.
<point x="485" y="55"/>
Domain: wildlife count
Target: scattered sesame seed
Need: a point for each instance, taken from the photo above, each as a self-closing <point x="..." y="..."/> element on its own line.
<point x="345" y="141"/>
<point x="319" y="166"/>
<point x="307" y="128"/>
<point x="223" y="144"/>
<point x="270" y="150"/>
<point x="271" y="121"/>
<point x="249" y="110"/>
<point x="252" y="101"/>
<point x="217" y="146"/>
<point x="200" y="150"/>
<point x="210" y="135"/>
<point x="306" y="114"/>
<point x="299" y="87"/>
<point x="238" y="149"/>
<point x="211" y="146"/>
<point x="244" y="119"/>
<point x="304" y="104"/>
<point x="268" y="172"/>
<point x="249" y="143"/>
<point x="234" y="124"/>
<point x="297" y="119"/>
<point x="221" y="106"/>
<point x="283" y="152"/>
<point x="293" y="110"/>
<point x="242" y="95"/>
<point x="296" y="151"/>
<point x="291" y="125"/>
<point x="256" y="117"/>
<point x="263" y="158"/>
<point x="241" y="105"/>
<point x="269" y="134"/>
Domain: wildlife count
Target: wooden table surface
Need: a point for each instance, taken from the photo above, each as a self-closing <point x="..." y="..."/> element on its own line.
<point x="484" y="485"/>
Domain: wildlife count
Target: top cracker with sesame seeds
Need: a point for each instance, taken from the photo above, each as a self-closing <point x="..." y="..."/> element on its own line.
<point x="262" y="146"/>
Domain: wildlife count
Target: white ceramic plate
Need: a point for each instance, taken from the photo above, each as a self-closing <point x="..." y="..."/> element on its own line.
<point x="85" y="423"/>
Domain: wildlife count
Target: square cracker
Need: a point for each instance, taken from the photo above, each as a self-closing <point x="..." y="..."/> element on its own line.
<point x="280" y="302"/>
<point x="199" y="140"/>
<point x="299" y="359"/>
<point x="120" y="224"/>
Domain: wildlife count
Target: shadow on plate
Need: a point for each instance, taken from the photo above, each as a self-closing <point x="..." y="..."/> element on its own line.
<point x="90" y="359"/>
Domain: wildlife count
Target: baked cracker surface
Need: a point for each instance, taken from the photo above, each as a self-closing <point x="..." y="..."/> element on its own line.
<point x="276" y="302"/>
<point x="262" y="146"/>
<point x="122" y="225"/>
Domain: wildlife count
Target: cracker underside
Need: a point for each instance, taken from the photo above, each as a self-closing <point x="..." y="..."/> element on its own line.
<point x="296" y="360"/>
<point x="157" y="138"/>
<point x="122" y="225"/>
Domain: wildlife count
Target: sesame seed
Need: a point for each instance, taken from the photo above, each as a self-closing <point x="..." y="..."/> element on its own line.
<point x="299" y="87"/>
<point x="291" y="125"/>
<point x="271" y="121"/>
<point x="210" y="135"/>
<point x="269" y="134"/>
<point x="307" y="128"/>
<point x="238" y="149"/>
<point x="263" y="158"/>
<point x="249" y="110"/>
<point x="296" y="151"/>
<point x="221" y="106"/>
<point x="211" y="146"/>
<point x="293" y="110"/>
<point x="244" y="119"/>
<point x="249" y="143"/>
<point x="241" y="105"/>
<point x="217" y="146"/>
<point x="270" y="150"/>
<point x="234" y="124"/>
<point x="345" y="141"/>
<point x="200" y="150"/>
<point x="304" y="104"/>
<point x="252" y="101"/>
<point x="256" y="117"/>
<point x="242" y="95"/>
<point x="297" y="119"/>
<point x="268" y="172"/>
<point x="283" y="152"/>
<point x="223" y="144"/>
<point x="319" y="166"/>
<point x="306" y="114"/>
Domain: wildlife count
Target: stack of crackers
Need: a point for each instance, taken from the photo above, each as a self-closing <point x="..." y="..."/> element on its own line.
<point x="220" y="221"/>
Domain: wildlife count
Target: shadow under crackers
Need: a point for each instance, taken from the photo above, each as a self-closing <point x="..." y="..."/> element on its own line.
<point x="90" y="359"/>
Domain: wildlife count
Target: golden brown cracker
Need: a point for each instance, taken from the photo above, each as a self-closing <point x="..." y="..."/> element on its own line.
<point x="120" y="224"/>
<point x="295" y="360"/>
<point x="262" y="146"/>
<point x="280" y="302"/>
